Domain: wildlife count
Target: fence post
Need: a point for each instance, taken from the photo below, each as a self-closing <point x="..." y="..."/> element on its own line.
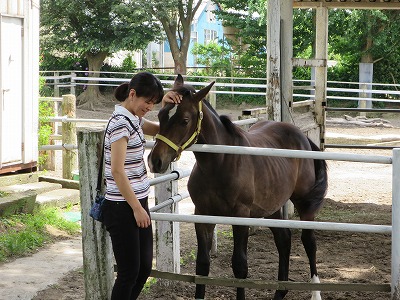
<point x="167" y="233"/>
<point x="96" y="244"/>
<point x="56" y="83"/>
<point x="395" y="284"/>
<point x="212" y="97"/>
<point x="69" y="157"/>
<point x="366" y="72"/>
<point x="72" y="88"/>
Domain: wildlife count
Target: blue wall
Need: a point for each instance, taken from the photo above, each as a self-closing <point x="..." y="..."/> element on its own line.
<point x="200" y="27"/>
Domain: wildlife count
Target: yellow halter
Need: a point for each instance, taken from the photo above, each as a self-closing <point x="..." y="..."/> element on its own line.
<point x="193" y="138"/>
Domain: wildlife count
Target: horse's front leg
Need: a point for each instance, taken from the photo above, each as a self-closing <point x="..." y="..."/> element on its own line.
<point x="239" y="257"/>
<point x="204" y="233"/>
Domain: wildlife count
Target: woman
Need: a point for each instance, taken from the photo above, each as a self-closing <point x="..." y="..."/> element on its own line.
<point x="126" y="212"/>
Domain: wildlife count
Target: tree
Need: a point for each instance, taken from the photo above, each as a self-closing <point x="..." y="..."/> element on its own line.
<point x="94" y="29"/>
<point x="367" y="36"/>
<point x="249" y="18"/>
<point x="215" y="56"/>
<point x="176" y="17"/>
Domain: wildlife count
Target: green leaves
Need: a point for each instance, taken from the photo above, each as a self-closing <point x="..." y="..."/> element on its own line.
<point x="77" y="26"/>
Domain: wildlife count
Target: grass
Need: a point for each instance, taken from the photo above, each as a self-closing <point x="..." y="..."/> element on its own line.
<point x="191" y="256"/>
<point x="22" y="234"/>
<point x="151" y="281"/>
<point x="3" y="194"/>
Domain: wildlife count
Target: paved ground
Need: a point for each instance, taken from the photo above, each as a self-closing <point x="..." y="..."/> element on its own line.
<point x="24" y="277"/>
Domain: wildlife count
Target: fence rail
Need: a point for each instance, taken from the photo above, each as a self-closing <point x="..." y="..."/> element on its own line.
<point x="389" y="93"/>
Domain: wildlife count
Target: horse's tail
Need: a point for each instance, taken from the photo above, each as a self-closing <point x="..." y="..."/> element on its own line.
<point x="318" y="191"/>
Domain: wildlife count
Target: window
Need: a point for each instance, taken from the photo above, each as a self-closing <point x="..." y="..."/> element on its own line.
<point x="210" y="36"/>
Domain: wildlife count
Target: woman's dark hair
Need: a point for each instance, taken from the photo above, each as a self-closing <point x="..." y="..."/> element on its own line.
<point x="145" y="84"/>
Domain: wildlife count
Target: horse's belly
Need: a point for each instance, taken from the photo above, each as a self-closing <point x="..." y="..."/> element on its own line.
<point x="265" y="208"/>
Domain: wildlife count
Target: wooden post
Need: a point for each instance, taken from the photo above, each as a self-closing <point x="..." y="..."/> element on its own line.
<point x="273" y="101"/>
<point x="321" y="52"/>
<point x="286" y="88"/>
<point x="98" y="263"/>
<point x="167" y="233"/>
<point x="286" y="48"/>
<point x="69" y="157"/>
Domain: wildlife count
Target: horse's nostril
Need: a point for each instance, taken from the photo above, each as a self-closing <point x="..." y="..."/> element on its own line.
<point x="155" y="165"/>
<point x="158" y="165"/>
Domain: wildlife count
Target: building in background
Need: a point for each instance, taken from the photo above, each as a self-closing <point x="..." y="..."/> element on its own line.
<point x="205" y="28"/>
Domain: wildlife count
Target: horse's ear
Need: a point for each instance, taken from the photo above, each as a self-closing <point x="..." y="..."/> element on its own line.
<point x="178" y="81"/>
<point x="200" y="95"/>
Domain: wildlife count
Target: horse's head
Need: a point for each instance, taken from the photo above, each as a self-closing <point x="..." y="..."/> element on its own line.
<point x="180" y="126"/>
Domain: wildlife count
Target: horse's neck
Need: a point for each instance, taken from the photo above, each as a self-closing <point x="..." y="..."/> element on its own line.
<point x="212" y="130"/>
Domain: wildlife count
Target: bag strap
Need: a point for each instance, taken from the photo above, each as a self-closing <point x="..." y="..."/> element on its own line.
<point x="100" y="174"/>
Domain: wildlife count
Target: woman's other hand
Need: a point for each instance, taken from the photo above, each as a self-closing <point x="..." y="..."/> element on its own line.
<point x="142" y="217"/>
<point x="172" y="97"/>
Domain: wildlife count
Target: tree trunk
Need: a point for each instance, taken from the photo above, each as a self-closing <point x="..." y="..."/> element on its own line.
<point x="180" y="64"/>
<point x="91" y="98"/>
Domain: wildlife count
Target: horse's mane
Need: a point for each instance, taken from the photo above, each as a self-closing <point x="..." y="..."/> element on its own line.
<point x="226" y="121"/>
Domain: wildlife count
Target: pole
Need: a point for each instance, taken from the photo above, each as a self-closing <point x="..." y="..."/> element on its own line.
<point x="395" y="286"/>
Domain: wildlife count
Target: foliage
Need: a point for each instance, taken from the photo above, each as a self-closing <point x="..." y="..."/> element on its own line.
<point x="247" y="19"/>
<point x="45" y="129"/>
<point x="81" y="27"/>
<point x="176" y="17"/>
<point x="94" y="30"/>
<point x="215" y="56"/>
<point x="51" y="62"/>
<point x="365" y="36"/>
<point x="23" y="233"/>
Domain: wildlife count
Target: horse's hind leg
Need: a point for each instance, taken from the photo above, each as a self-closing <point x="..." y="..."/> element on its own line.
<point x="310" y="245"/>
<point x="239" y="256"/>
<point x="204" y="233"/>
<point x="282" y="237"/>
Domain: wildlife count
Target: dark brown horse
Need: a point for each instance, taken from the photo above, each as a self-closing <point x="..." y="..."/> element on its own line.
<point x="241" y="185"/>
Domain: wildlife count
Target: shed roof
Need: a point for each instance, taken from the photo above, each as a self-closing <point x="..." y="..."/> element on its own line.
<point x="360" y="4"/>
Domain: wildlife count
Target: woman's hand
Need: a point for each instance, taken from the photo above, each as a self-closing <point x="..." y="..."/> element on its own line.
<point x="171" y="97"/>
<point x="142" y="218"/>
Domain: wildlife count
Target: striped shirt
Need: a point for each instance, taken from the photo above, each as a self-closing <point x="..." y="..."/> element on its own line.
<point x="135" y="167"/>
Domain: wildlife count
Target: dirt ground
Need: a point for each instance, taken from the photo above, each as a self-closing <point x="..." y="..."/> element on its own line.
<point x="358" y="193"/>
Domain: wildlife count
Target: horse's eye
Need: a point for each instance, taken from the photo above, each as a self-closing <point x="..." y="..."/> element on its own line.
<point x="185" y="121"/>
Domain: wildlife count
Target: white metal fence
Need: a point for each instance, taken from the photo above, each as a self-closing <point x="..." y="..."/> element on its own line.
<point x="354" y="91"/>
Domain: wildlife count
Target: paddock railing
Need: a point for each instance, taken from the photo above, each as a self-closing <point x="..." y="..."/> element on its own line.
<point x="98" y="252"/>
<point x="394" y="229"/>
<point x="68" y="81"/>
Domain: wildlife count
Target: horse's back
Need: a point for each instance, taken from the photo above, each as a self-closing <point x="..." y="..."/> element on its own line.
<point x="278" y="135"/>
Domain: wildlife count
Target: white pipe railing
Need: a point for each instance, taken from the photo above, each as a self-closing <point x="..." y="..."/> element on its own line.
<point x="235" y="84"/>
<point x="330" y="226"/>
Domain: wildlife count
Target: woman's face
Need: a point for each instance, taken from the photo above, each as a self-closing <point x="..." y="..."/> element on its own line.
<point x="139" y="106"/>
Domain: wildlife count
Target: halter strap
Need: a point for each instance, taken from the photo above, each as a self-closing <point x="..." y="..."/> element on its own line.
<point x="193" y="137"/>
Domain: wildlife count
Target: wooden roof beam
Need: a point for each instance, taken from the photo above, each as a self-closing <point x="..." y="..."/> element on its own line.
<point x="348" y="4"/>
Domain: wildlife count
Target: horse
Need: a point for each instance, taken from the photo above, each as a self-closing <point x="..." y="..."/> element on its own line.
<point x="241" y="185"/>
